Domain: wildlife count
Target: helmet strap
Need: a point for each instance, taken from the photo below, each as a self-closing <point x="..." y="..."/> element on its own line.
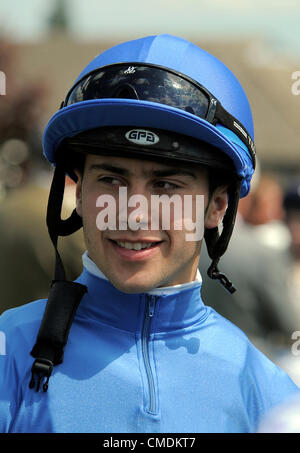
<point x="64" y="296"/>
<point x="217" y="244"/>
<point x="56" y="225"/>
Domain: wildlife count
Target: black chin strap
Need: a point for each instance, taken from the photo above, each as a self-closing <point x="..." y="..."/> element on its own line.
<point x="56" y="225"/>
<point x="64" y="296"/>
<point x="217" y="244"/>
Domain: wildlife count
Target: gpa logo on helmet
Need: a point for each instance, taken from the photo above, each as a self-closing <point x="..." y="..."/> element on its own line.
<point x="142" y="137"/>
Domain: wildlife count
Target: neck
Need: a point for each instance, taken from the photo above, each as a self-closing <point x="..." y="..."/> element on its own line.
<point x="176" y="307"/>
<point x="93" y="269"/>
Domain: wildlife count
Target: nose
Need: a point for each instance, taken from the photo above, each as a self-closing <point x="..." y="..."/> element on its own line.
<point x="134" y="208"/>
<point x="138" y="211"/>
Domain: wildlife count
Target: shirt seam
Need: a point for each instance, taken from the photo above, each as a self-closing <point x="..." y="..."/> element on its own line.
<point x="201" y="320"/>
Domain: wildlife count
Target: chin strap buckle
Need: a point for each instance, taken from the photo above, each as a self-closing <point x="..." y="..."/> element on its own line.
<point x="42" y="369"/>
<point x="226" y="282"/>
<point x="214" y="273"/>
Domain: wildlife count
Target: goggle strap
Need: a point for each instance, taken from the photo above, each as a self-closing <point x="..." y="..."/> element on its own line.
<point x="227" y="120"/>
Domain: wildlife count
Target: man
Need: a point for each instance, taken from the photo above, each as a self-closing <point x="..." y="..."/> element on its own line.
<point x="130" y="346"/>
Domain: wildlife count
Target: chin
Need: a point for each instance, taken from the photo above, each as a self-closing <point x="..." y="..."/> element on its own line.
<point x="133" y="287"/>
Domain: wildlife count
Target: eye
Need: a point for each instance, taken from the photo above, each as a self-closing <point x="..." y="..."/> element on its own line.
<point x="111" y="180"/>
<point x="167" y="185"/>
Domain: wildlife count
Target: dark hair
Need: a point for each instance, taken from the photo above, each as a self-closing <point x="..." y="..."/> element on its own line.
<point x="218" y="178"/>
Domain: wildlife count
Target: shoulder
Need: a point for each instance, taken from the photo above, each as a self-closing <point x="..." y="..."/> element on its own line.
<point x="261" y="382"/>
<point x="233" y="345"/>
<point x="226" y="335"/>
<point x="23" y="313"/>
<point x="261" y="379"/>
<point x="18" y="330"/>
<point x="19" y="326"/>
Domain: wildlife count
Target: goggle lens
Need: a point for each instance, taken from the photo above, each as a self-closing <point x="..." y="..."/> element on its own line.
<point x="145" y="83"/>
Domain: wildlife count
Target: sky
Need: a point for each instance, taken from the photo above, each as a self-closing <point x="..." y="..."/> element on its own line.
<point x="277" y="21"/>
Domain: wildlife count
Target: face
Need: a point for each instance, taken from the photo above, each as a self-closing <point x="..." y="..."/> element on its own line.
<point x="140" y="259"/>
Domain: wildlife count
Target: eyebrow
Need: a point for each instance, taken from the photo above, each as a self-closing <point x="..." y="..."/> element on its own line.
<point x="174" y="172"/>
<point x="111" y="168"/>
<point x="154" y="173"/>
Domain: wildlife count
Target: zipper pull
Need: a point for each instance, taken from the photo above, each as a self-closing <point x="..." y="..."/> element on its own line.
<point x="151" y="306"/>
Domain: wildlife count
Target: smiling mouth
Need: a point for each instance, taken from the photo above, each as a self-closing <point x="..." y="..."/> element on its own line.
<point x="136" y="245"/>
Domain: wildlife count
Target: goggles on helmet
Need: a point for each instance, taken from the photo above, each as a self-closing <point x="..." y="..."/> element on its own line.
<point x="153" y="83"/>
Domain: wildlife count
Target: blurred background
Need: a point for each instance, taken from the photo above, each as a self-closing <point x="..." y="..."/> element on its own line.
<point x="45" y="45"/>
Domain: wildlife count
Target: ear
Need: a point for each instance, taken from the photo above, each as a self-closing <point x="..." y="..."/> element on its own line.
<point x="217" y="207"/>
<point x="78" y="193"/>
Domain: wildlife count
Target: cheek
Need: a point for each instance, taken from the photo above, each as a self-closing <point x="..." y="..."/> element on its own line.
<point x="89" y="212"/>
<point x="193" y="218"/>
<point x="181" y="248"/>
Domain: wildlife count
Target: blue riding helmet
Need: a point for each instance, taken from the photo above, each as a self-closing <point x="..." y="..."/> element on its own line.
<point x="170" y="84"/>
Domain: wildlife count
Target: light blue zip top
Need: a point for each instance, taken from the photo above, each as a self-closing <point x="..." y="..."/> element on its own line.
<point x="202" y="372"/>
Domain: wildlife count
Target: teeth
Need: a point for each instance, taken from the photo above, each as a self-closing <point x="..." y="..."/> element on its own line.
<point x="135" y="245"/>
